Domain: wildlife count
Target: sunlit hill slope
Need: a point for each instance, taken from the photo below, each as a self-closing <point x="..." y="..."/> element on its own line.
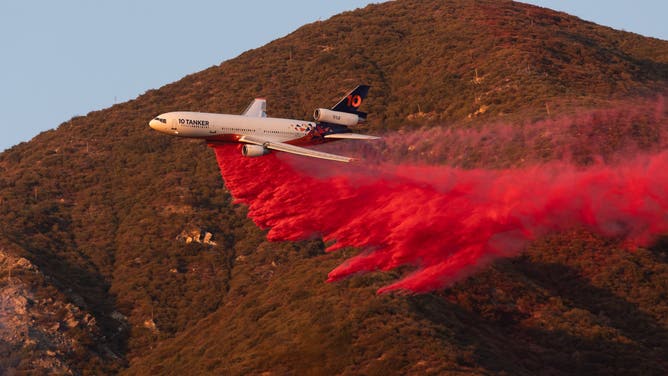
<point x="106" y="266"/>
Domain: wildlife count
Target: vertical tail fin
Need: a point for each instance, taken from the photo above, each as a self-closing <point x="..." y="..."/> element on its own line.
<point x="353" y="100"/>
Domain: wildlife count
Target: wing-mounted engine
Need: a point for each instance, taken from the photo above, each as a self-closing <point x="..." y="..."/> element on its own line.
<point x="254" y="151"/>
<point x="336" y="117"/>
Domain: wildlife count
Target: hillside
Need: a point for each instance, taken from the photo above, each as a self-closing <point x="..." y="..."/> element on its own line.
<point x="98" y="276"/>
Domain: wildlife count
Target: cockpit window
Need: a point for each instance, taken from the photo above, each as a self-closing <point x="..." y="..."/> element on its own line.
<point x="163" y="121"/>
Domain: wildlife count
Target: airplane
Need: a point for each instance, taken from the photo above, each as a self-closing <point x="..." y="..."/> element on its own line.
<point x="260" y="134"/>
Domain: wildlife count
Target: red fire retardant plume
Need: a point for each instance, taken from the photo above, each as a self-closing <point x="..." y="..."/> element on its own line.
<point x="443" y="221"/>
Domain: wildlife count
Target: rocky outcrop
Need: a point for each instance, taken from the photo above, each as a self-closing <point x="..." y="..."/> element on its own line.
<point x="46" y="327"/>
<point x="197" y="236"/>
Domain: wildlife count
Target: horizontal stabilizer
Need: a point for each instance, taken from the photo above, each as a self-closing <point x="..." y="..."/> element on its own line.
<point x="352" y="136"/>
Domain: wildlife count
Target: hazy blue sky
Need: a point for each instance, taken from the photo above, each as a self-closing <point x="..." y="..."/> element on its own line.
<point x="65" y="58"/>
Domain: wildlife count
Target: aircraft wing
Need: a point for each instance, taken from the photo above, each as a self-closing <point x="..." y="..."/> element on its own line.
<point x="352" y="136"/>
<point x="287" y="148"/>
<point x="257" y="108"/>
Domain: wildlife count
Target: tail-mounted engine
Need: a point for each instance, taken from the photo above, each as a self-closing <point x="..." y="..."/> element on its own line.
<point x="336" y="117"/>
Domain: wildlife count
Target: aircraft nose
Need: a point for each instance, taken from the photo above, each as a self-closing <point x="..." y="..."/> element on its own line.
<point x="153" y="124"/>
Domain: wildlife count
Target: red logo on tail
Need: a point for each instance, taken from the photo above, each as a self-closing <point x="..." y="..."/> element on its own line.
<point x="354" y="101"/>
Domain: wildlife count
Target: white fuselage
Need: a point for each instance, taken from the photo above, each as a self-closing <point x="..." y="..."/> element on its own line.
<point x="259" y="134"/>
<point x="224" y="127"/>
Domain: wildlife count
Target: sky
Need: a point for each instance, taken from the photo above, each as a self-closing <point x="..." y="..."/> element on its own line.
<point x="61" y="59"/>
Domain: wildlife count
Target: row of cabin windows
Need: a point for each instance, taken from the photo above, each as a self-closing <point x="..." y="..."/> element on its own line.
<point x="251" y="130"/>
<point x="280" y="132"/>
<point x="239" y="129"/>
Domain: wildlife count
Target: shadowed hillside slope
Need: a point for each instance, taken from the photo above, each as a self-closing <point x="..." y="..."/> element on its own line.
<point x="103" y="223"/>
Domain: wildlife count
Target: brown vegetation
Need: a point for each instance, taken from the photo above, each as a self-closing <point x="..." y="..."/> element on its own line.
<point x="97" y="205"/>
